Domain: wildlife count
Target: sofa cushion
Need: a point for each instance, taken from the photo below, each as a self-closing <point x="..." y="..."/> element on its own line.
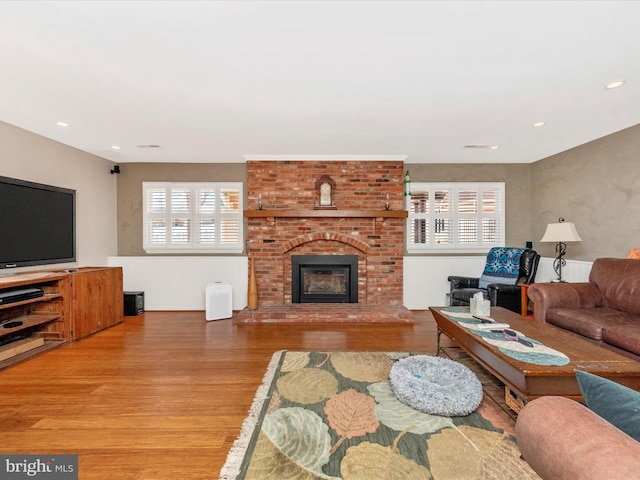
<point x="626" y="337"/>
<point x="589" y="322"/>
<point x="598" y="394"/>
<point x="502" y="266"/>
<point x="619" y="282"/>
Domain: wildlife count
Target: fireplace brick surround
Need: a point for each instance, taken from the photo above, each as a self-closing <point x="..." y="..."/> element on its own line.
<point x="289" y="223"/>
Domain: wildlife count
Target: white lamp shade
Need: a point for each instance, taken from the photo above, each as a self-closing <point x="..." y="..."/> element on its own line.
<point x="561" y="232"/>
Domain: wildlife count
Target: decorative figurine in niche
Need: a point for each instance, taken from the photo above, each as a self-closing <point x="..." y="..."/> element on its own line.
<point x="325" y="187"/>
<point x="325" y="194"/>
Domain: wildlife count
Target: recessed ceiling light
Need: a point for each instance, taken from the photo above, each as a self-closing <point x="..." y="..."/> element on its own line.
<point x="115" y="147"/>
<point x="62" y="124"/>
<point x="616" y="84"/>
<point x="492" y="147"/>
<point x="538" y="124"/>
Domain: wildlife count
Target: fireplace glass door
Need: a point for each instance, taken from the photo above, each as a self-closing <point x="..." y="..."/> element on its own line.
<point x="324" y="278"/>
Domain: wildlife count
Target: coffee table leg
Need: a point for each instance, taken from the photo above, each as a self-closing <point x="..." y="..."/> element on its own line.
<point x="438" y="333"/>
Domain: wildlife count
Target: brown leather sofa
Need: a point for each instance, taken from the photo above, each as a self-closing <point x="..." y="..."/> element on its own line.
<point x="605" y="310"/>
<point x="562" y="439"/>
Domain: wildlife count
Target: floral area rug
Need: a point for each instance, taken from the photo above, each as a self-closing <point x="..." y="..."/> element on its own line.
<point x="333" y="415"/>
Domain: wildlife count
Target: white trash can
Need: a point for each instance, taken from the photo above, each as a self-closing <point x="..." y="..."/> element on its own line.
<point x="218" y="301"/>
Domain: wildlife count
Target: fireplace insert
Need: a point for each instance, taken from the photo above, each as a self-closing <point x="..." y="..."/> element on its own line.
<point x="324" y="279"/>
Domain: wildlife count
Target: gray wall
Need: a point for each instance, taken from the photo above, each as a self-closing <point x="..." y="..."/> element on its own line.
<point x="596" y="186"/>
<point x="515" y="176"/>
<point x="130" y="192"/>
<point x="28" y="156"/>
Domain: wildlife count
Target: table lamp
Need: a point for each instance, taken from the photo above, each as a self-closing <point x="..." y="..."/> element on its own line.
<point x="560" y="233"/>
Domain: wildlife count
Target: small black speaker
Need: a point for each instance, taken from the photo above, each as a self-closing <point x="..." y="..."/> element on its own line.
<point x="529" y="244"/>
<point x="133" y="303"/>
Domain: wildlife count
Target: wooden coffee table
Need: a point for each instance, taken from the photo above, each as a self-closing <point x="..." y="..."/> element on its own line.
<point x="529" y="381"/>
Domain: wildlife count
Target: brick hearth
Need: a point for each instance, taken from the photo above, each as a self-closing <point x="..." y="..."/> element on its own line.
<point x="290" y="224"/>
<point x="327" y="313"/>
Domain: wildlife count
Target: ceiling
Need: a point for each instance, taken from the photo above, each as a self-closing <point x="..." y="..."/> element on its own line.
<point x="223" y="81"/>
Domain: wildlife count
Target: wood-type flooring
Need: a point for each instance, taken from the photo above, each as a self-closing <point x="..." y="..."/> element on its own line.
<point x="163" y="395"/>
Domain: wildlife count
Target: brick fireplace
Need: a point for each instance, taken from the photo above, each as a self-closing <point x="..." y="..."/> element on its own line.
<point x="285" y="220"/>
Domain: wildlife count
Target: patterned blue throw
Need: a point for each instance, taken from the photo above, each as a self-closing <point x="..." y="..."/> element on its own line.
<point x="502" y="266"/>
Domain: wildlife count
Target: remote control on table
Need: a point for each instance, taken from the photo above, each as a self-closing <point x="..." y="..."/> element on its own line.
<point x="492" y="326"/>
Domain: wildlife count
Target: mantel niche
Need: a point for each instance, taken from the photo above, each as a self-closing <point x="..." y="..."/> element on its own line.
<point x="292" y="213"/>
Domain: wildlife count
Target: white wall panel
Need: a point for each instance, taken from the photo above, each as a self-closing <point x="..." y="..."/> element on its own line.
<point x="573" y="271"/>
<point x="179" y="283"/>
<point x="425" y="278"/>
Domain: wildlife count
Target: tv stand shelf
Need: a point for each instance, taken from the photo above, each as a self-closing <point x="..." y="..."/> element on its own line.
<point x="46" y="297"/>
<point x="29" y="321"/>
<point x="76" y="303"/>
<point x="49" y="344"/>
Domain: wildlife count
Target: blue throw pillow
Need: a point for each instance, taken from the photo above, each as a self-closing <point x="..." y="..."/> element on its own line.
<point x="615" y="403"/>
<point x="502" y="266"/>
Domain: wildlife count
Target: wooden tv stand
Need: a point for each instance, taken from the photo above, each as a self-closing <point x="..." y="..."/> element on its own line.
<point x="76" y="303"/>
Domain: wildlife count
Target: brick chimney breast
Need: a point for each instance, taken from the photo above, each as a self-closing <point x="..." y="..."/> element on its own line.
<point x="360" y="186"/>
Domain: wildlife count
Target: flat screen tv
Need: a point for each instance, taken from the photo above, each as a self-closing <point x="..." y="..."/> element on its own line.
<point x="37" y="224"/>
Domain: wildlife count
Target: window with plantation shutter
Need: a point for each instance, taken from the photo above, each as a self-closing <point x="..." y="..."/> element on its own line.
<point x="455" y="217"/>
<point x="192" y="217"/>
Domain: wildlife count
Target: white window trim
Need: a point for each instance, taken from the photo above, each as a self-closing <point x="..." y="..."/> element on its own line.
<point x="193" y="247"/>
<point x="454" y="247"/>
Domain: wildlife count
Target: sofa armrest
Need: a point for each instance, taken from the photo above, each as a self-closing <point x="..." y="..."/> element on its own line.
<point x="562" y="439"/>
<point x="463" y="282"/>
<point x="562" y="295"/>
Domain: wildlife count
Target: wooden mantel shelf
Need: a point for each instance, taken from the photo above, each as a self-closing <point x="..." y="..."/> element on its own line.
<point x="325" y="213"/>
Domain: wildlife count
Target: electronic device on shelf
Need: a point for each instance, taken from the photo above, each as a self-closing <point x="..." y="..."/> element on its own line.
<point x="10" y="339"/>
<point x="12" y="324"/>
<point x="12" y="296"/>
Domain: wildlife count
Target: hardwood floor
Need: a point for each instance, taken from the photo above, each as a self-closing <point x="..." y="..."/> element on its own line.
<point x="163" y="395"/>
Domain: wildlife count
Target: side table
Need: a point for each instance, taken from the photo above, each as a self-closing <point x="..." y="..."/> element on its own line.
<point x="524" y="300"/>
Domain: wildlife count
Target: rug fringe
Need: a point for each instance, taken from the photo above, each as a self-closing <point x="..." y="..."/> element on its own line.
<point x="232" y="465"/>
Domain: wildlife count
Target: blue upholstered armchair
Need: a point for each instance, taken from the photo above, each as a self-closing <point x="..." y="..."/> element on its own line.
<point x="505" y="270"/>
